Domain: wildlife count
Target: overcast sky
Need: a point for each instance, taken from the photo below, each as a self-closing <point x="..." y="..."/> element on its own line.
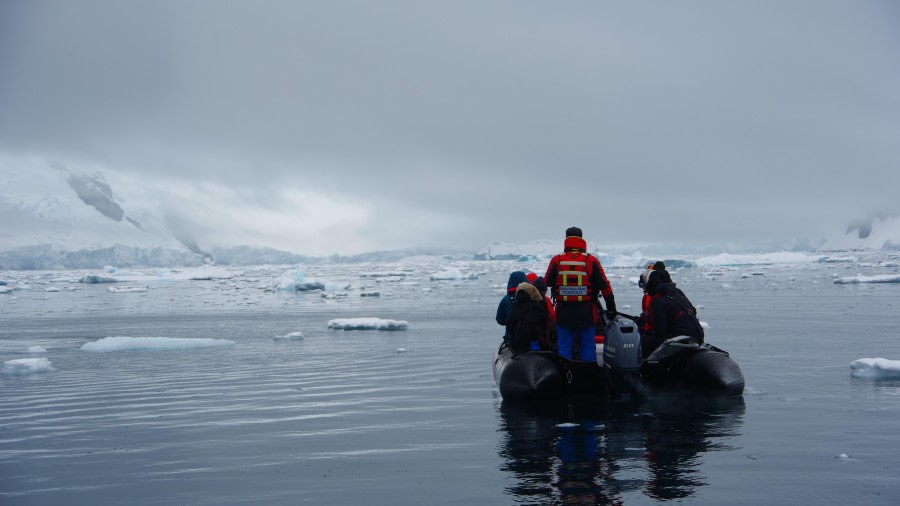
<point x="352" y="126"/>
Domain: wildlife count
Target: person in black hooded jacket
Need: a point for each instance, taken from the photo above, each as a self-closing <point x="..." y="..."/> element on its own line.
<point x="529" y="325"/>
<point x="505" y="307"/>
<point x="671" y="313"/>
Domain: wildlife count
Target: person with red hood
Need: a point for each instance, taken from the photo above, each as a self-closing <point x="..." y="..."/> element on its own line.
<point x="539" y="283"/>
<point x="576" y="280"/>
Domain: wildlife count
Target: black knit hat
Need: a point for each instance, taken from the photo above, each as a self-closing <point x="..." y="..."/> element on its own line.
<point x="540" y="284"/>
<point x="656" y="277"/>
<point x="659" y="266"/>
<point x="573" y="231"/>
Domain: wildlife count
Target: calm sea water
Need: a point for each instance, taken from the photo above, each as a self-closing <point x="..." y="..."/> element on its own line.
<point x="414" y="417"/>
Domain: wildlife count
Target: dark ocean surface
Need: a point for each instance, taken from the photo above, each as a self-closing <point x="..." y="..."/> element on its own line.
<point x="413" y="417"/>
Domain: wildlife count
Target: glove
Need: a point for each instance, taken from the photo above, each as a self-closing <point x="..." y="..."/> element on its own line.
<point x="611" y="307"/>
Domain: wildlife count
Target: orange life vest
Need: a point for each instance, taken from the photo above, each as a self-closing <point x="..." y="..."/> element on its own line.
<point x="573" y="276"/>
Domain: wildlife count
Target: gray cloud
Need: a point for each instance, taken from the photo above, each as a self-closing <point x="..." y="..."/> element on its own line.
<point x="466" y="122"/>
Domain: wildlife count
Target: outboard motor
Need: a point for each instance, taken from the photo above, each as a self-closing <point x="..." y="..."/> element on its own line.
<point x="622" y="358"/>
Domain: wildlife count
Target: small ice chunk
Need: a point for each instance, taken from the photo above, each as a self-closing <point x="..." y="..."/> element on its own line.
<point x="128" y="289"/>
<point x="36" y="349"/>
<point x="293" y="336"/>
<point x="308" y="286"/>
<point x="22" y="366"/>
<point x="98" y="278"/>
<point x="875" y="368"/>
<point x="367" y="324"/>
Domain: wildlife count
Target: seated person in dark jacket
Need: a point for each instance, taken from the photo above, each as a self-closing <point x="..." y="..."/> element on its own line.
<point x="529" y="325"/>
<point x="505" y="307"/>
<point x="671" y="313"/>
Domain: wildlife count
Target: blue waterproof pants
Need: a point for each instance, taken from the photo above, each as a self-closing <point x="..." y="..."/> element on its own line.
<point x="585" y="338"/>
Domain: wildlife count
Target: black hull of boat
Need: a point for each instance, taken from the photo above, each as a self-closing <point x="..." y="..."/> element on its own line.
<point x="541" y="375"/>
<point x="706" y="370"/>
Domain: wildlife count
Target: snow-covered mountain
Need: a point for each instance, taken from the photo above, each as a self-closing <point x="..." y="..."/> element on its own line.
<point x="54" y="217"/>
<point x="875" y="233"/>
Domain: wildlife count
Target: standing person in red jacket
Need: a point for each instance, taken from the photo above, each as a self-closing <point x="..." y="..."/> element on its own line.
<point x="576" y="279"/>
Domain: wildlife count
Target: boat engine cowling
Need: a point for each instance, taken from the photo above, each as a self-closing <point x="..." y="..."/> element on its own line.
<point x="622" y="357"/>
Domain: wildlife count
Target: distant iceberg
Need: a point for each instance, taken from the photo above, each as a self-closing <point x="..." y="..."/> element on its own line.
<point x="295" y="281"/>
<point x="880" y="368"/>
<point x="124" y="343"/>
<point x="882" y="278"/>
<point x="367" y="324"/>
<point x="23" y="366"/>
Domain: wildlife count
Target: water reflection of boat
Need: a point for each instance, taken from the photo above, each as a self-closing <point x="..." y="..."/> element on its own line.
<point x="606" y="453"/>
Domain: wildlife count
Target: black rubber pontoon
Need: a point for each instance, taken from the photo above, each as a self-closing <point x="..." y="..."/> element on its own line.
<point x="544" y="375"/>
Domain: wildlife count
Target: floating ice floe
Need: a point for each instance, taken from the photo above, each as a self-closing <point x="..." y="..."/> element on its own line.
<point x="704" y="325"/>
<point x="785" y="257"/>
<point x="367" y="324"/>
<point x="5" y="289"/>
<point x="204" y="273"/>
<point x="837" y="259"/>
<point x="22" y="366"/>
<point x="128" y="289"/>
<point x="309" y="286"/>
<point x="384" y="274"/>
<point x="453" y="275"/>
<point x="293" y="336"/>
<point x="124" y="343"/>
<point x="52" y="289"/>
<point x="99" y="278"/>
<point x="875" y="368"/>
<point x="882" y="278"/>
<point x="402" y="350"/>
<point x="36" y="349"/>
<point x="567" y="425"/>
